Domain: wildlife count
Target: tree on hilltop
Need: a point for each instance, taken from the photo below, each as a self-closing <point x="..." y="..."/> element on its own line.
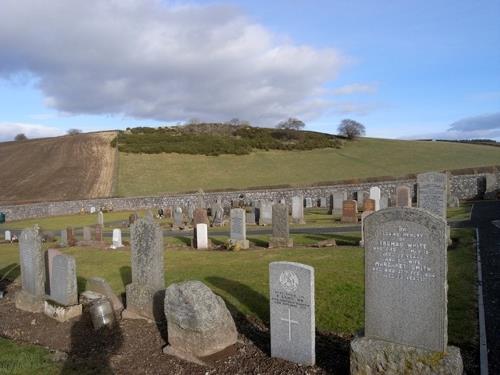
<point x="351" y="129"/>
<point x="291" y="124"/>
<point x="20" y="137"/>
<point x="74" y="131"/>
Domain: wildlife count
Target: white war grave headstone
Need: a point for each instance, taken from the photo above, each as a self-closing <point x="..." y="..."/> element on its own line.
<point x="117" y="239"/>
<point x="375" y="195"/>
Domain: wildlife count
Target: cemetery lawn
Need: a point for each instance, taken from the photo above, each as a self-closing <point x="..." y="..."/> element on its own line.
<point x="18" y="359"/>
<point x="459" y="213"/>
<point x="355" y="160"/>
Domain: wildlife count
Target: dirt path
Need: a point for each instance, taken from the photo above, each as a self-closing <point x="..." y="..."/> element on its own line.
<point x="489" y="241"/>
<point x="62" y="168"/>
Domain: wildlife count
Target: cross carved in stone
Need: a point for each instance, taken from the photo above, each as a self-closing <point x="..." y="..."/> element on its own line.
<point x="290" y="322"/>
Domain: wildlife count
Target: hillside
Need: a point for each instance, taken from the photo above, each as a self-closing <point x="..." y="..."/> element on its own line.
<point x="358" y="159"/>
<point x="69" y="167"/>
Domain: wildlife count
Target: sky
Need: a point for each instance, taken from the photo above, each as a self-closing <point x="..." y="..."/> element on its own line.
<point x="404" y="69"/>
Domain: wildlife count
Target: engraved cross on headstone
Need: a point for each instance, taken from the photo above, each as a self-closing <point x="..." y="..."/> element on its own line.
<point x="290" y="322"/>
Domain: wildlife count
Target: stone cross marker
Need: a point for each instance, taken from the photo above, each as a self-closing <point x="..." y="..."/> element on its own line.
<point x="201" y="236"/>
<point x="31" y="257"/>
<point x="281" y="231"/>
<point x="293" y="326"/>
<point x="144" y="294"/>
<point x="431" y="192"/>
<point x="375" y="195"/>
<point x="369" y="205"/>
<point x="405" y="278"/>
<point x="63" y="287"/>
<point x="298" y="210"/>
<point x="266" y="213"/>
<point x="403" y="196"/>
<point x="7" y="236"/>
<point x="338" y="200"/>
<point x="349" y="212"/>
<point x="238" y="228"/>
<point x="87" y="234"/>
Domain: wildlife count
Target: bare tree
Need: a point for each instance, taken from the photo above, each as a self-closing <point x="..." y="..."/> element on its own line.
<point x="291" y="123"/>
<point x="20" y="137"/>
<point x="74" y="131"/>
<point x="351" y="129"/>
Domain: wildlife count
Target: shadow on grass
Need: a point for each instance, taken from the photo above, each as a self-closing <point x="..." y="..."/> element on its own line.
<point x="258" y="242"/>
<point x="185" y="240"/>
<point x="332" y="351"/>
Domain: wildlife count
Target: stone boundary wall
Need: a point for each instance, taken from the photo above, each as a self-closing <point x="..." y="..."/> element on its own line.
<point x="471" y="186"/>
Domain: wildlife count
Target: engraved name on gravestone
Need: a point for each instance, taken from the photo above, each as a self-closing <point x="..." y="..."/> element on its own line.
<point x="298" y="209"/>
<point x="148" y="273"/>
<point x="63" y="287"/>
<point x="405" y="278"/>
<point x="291" y="292"/>
<point x="431" y="192"/>
<point x="403" y="196"/>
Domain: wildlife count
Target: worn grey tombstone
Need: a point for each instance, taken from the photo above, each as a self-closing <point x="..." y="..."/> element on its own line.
<point x="64" y="238"/>
<point x="323" y="202"/>
<point x="405" y="293"/>
<point x="292" y="301"/>
<point x="100" y="218"/>
<point x="338" y="200"/>
<point x="360" y="198"/>
<point x="31" y="296"/>
<point x="63" y="287"/>
<point x="281" y="231"/>
<point x="309" y="202"/>
<point x="218" y="215"/>
<point x="238" y="228"/>
<point x="178" y="217"/>
<point x="298" y="210"/>
<point x="431" y="192"/>
<point x="384" y="202"/>
<point x="266" y="213"/>
<point x="145" y="293"/>
<point x="403" y="196"/>
<point x="491" y="187"/>
<point x="87" y="234"/>
<point x="250" y="215"/>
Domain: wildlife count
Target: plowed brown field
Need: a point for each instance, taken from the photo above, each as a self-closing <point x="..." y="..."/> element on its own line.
<point x="63" y="168"/>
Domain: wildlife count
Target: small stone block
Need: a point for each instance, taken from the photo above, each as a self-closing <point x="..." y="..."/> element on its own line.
<point x="62" y="313"/>
<point x="275" y="242"/>
<point x="29" y="302"/>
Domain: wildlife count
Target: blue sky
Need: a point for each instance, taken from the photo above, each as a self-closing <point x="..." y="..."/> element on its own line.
<point x="402" y="68"/>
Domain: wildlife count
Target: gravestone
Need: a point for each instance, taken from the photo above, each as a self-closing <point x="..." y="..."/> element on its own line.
<point x="369" y="205"/>
<point x="117" y="239"/>
<point x="363" y="216"/>
<point x="453" y="201"/>
<point x="281" y="233"/>
<point x="178" y="218"/>
<point x="309" y="203"/>
<point x="349" y="212"/>
<point x="7" y="236"/>
<point x="405" y="294"/>
<point x="200" y="216"/>
<point x="50" y="254"/>
<point x="250" y="214"/>
<point x="200" y="239"/>
<point x="87" y="234"/>
<point x="431" y="192"/>
<point x="375" y="195"/>
<point x="298" y="210"/>
<point x="238" y="228"/>
<point x="31" y="296"/>
<point x="323" y="202"/>
<point x="98" y="233"/>
<point x="190" y="213"/>
<point x="63" y="287"/>
<point x="384" y="202"/>
<point x="491" y="187"/>
<point x="266" y="213"/>
<point x="64" y="238"/>
<point x="145" y="293"/>
<point x="403" y="196"/>
<point x="338" y="200"/>
<point x="101" y="286"/>
<point x="132" y="218"/>
<point x="360" y="198"/>
<point x="292" y="312"/>
<point x="100" y="218"/>
<point x="92" y="210"/>
<point x="218" y="215"/>
<point x="70" y="233"/>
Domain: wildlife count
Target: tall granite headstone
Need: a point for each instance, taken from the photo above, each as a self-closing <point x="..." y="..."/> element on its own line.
<point x="405" y="295"/>
<point x="431" y="192"/>
<point x="145" y="293"/>
<point x="238" y="228"/>
<point x="298" y="210"/>
<point x="63" y="287"/>
<point x="281" y="231"/>
<point x="403" y="196"/>
<point x="291" y="294"/>
<point x="31" y="296"/>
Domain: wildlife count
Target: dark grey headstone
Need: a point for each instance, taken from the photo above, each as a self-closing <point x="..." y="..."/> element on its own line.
<point x="431" y="192"/>
<point x="406" y="278"/>
<point x="291" y="294"/>
<point x="63" y="287"/>
<point x="280" y="221"/>
<point x="145" y="293"/>
<point x="238" y="225"/>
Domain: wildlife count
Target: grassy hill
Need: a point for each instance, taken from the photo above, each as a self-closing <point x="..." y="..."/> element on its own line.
<point x="148" y="174"/>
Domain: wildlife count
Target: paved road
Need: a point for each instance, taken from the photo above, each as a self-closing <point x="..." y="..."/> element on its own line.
<point x="483" y="214"/>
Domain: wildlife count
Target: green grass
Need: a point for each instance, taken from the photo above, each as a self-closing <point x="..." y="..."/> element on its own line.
<point x="20" y="359"/>
<point x="460" y="213"/>
<point x="359" y="159"/>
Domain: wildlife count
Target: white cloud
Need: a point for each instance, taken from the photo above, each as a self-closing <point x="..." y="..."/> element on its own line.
<point x="9" y="130"/>
<point x="355" y="88"/>
<point x="146" y="59"/>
